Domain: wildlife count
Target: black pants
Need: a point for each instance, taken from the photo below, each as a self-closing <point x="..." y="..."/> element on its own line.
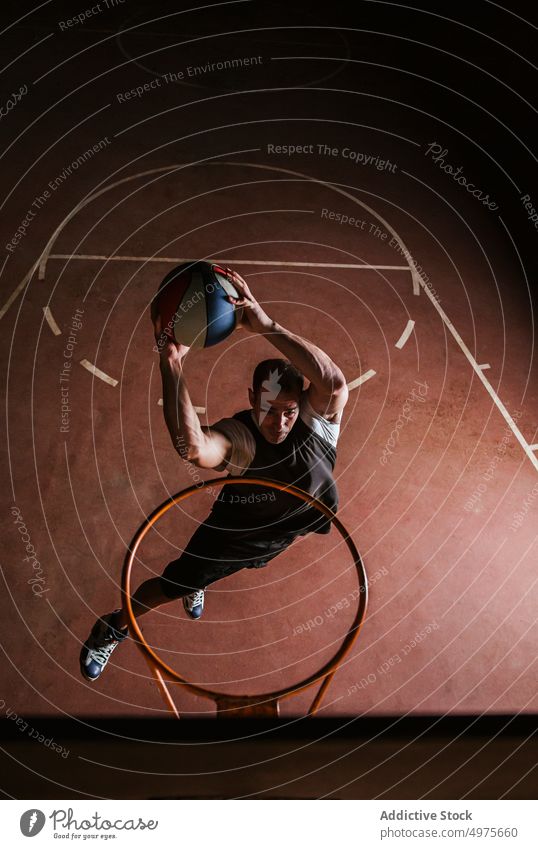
<point x="214" y="553"/>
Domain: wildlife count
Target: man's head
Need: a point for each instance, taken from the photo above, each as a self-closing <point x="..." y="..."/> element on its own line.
<point x="274" y="396"/>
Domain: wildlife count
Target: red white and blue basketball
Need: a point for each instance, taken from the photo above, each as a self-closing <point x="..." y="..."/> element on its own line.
<point x="193" y="305"/>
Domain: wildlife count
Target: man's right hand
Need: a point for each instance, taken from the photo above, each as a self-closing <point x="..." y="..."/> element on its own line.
<point x="167" y="347"/>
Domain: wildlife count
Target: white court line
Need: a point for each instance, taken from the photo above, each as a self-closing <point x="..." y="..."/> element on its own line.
<point x="42" y="262"/>
<point x="178" y="259"/>
<point x="534" y="447"/>
<point x="336" y="188"/>
<point x="475" y="366"/>
<point x="98" y="373"/>
<point x="417" y="281"/>
<point x="484" y="366"/>
<point x="406" y="334"/>
<point x="19" y="288"/>
<point x="196" y="409"/>
<point x="480" y="374"/>
<point x="89" y="198"/>
<point x="51" y="322"/>
<point x="362" y="379"/>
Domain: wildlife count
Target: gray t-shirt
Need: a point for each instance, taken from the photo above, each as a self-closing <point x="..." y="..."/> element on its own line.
<point x="244" y="444"/>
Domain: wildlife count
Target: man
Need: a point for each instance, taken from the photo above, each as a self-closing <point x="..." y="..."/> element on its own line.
<point x="288" y="435"/>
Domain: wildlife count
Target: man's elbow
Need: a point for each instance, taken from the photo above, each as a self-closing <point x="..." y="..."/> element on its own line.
<point x="333" y="386"/>
<point x="335" y="383"/>
<point x="203" y="454"/>
<point x="330" y="397"/>
<point x="339" y="382"/>
<point x="194" y="453"/>
<point x="187" y="450"/>
<point x="330" y="379"/>
<point x="340" y="395"/>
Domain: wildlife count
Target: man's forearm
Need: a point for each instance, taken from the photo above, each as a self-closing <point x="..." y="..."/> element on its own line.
<point x="314" y="363"/>
<point x="180" y="416"/>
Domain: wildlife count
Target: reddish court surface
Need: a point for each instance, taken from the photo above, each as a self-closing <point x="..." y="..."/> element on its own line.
<point x="429" y="473"/>
<point x="437" y="462"/>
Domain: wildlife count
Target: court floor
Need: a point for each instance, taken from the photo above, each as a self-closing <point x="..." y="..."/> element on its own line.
<point x="437" y="455"/>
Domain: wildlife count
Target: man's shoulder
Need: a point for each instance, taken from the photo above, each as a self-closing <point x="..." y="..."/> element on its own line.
<point x="315" y="406"/>
<point x="235" y="427"/>
<point x="321" y="426"/>
<point x="242" y="442"/>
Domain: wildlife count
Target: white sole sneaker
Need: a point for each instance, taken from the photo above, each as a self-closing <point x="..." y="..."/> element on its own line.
<point x="193" y="604"/>
<point x="97" y="649"/>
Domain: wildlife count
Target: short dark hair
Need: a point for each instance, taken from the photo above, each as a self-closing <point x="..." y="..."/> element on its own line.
<point x="280" y="373"/>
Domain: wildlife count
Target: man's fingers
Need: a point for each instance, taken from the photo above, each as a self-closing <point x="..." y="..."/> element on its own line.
<point x="238" y="277"/>
<point x="244" y="291"/>
<point x="235" y="277"/>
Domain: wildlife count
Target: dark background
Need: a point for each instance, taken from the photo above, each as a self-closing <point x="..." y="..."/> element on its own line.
<point x="427" y="72"/>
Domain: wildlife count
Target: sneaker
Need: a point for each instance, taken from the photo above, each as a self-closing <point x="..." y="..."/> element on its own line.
<point x="193" y="604"/>
<point x="96" y="651"/>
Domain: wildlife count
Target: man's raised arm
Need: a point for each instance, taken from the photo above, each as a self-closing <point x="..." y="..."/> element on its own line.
<point x="328" y="392"/>
<point x="194" y="442"/>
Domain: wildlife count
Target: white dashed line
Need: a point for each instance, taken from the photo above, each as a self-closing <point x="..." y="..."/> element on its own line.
<point x="362" y="379"/>
<point x="534" y="447"/>
<point x="484" y="366"/>
<point x="406" y="334"/>
<point x="51" y="322"/>
<point x="196" y="409"/>
<point x="98" y="373"/>
<point x="417" y="281"/>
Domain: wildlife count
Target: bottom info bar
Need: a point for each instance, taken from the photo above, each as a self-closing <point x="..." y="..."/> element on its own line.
<point x="237" y="823"/>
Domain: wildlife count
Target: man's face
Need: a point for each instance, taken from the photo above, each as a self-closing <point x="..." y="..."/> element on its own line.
<point x="275" y="417"/>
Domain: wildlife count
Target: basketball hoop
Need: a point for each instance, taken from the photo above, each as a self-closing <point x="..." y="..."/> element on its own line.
<point x="266" y="704"/>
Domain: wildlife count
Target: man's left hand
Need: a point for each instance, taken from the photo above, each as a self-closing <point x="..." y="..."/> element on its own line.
<point x="254" y="318"/>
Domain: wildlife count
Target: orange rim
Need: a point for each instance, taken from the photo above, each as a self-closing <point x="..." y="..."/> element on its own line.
<point x="325" y="672"/>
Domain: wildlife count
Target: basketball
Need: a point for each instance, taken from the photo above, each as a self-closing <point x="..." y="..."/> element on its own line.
<point x="193" y="305"/>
